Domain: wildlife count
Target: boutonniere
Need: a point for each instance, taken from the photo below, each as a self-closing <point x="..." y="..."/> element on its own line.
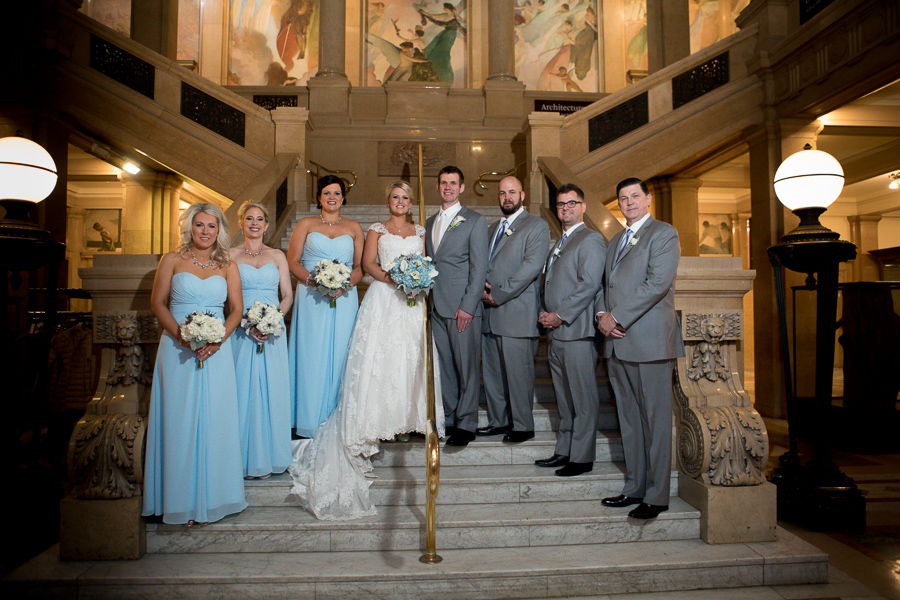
<point x="508" y="232"/>
<point x="456" y="221"/>
<point x="556" y="252"/>
<point x="632" y="241"/>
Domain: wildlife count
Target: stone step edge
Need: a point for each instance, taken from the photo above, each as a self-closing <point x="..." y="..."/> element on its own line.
<point x="449" y="517"/>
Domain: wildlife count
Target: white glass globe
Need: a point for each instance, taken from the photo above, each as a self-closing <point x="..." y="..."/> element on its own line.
<point x="809" y="178"/>
<point x="27" y="171"/>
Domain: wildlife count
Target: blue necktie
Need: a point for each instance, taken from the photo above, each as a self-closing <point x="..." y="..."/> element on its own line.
<point x="497" y="239"/>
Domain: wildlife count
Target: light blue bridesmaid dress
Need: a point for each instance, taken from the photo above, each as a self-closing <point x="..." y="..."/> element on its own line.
<point x="320" y="337"/>
<point x="193" y="466"/>
<point x="263" y="383"/>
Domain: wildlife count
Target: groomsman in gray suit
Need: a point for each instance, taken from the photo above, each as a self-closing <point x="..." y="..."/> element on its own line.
<point x="456" y="239"/>
<point x="518" y="249"/>
<point x="574" y="273"/>
<point x="636" y="313"/>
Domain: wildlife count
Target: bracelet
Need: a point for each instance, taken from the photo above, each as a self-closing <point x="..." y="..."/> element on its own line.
<point x="308" y="278"/>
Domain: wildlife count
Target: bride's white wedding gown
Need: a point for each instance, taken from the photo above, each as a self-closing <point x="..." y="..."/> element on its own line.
<point x="382" y="394"/>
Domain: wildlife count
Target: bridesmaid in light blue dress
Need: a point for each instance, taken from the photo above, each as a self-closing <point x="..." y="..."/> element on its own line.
<point x="192" y="473"/>
<point x="263" y="380"/>
<point x="320" y="334"/>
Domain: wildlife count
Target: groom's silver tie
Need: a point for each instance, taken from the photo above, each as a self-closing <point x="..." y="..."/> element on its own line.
<point x="499" y="237"/>
<point x="625" y="239"/>
<point x="438" y="226"/>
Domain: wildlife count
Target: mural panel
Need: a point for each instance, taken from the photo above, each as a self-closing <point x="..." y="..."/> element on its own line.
<point x="416" y="40"/>
<point x="273" y="42"/>
<point x="115" y="14"/>
<point x="556" y="44"/>
<point x="715" y="235"/>
<point x="713" y="20"/>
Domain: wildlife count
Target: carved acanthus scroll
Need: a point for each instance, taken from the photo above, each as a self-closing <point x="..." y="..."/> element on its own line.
<point x="722" y="439"/>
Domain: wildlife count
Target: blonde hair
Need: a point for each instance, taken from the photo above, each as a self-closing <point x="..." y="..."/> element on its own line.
<point x="403" y="186"/>
<point x="219" y="254"/>
<point x="247" y="206"/>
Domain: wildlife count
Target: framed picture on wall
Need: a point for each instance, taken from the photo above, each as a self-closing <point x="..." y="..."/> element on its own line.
<point x="716" y="235"/>
<point x="102" y="230"/>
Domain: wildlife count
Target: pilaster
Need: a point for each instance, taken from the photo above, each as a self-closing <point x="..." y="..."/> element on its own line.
<point x="154" y="23"/>
<point x="668" y="33"/>
<point x="543" y="139"/>
<point x="864" y="233"/>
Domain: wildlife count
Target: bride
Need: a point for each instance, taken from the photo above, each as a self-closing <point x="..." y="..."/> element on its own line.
<point x="383" y="389"/>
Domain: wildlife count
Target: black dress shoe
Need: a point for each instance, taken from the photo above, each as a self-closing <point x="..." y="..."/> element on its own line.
<point x="557" y="460"/>
<point x="461" y="438"/>
<point x="574" y="468"/>
<point x="647" y="511"/>
<point x="516" y="437"/>
<point x="491" y="430"/>
<point x="620" y="501"/>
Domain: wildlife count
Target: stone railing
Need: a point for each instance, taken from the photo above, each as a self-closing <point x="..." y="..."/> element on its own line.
<point x="721" y="441"/>
<point x="100" y="519"/>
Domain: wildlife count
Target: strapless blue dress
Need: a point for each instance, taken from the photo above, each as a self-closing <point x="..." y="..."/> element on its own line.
<point x="193" y="461"/>
<point x="263" y="383"/>
<point x="320" y="337"/>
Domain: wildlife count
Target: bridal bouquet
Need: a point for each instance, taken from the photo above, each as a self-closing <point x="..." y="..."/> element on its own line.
<point x="267" y="319"/>
<point x="414" y="274"/>
<point x="199" y="329"/>
<point x="331" y="276"/>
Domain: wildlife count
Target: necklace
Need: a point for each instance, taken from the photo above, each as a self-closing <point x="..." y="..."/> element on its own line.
<point x="247" y="251"/>
<point x="198" y="263"/>
<point x="330" y="224"/>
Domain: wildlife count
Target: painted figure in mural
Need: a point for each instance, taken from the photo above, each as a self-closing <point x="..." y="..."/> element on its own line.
<point x="292" y="34"/>
<point x="418" y="38"/>
<point x="407" y="63"/>
<point x="566" y="77"/>
<point x="276" y="75"/>
<point x="584" y="44"/>
<point x="438" y="50"/>
<point x="562" y="57"/>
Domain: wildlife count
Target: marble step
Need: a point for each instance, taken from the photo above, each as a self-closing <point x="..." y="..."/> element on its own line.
<point x="492" y="451"/>
<point x="546" y="413"/>
<point x="470" y="574"/>
<point x="397" y="486"/>
<point x="502" y="525"/>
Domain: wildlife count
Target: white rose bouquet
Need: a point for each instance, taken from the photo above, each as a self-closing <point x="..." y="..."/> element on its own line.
<point x="267" y="319"/>
<point x="414" y="274"/>
<point x="199" y="329"/>
<point x="332" y="276"/>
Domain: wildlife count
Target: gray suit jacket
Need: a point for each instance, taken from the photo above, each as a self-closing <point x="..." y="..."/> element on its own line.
<point x="572" y="282"/>
<point x="639" y="290"/>
<point x="515" y="277"/>
<point x="461" y="261"/>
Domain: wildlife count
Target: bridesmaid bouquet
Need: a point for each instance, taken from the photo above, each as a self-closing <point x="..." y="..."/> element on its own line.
<point x="200" y="329"/>
<point x="414" y="274"/>
<point x="267" y="319"/>
<point x="331" y="276"/>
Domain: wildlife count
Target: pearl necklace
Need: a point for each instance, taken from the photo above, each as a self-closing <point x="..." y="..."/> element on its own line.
<point x="198" y="263"/>
<point x="330" y="224"/>
<point x="247" y="251"/>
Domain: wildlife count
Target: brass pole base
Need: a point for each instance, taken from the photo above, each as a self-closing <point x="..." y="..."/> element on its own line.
<point x="430" y="559"/>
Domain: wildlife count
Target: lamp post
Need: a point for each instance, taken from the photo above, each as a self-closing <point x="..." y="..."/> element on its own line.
<point x="817" y="493"/>
<point x="27" y="176"/>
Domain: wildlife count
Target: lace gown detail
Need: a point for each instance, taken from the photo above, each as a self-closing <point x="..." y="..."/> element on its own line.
<point x="382" y="394"/>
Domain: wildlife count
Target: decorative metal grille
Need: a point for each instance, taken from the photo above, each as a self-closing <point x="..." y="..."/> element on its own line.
<point x="617" y="121"/>
<point x="213" y="114"/>
<point x="699" y="80"/>
<point x="273" y="101"/>
<point x="122" y="66"/>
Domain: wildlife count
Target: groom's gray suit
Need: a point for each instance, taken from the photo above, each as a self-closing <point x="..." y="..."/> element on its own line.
<point x="461" y="260"/>
<point x="639" y="291"/>
<point x="572" y="281"/>
<point x="511" y="328"/>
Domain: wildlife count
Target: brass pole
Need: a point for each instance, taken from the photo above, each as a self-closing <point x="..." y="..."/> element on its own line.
<point x="432" y="447"/>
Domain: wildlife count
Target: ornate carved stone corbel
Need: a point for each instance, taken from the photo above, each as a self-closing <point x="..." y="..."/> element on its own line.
<point x="106" y="447"/>
<point x="722" y="440"/>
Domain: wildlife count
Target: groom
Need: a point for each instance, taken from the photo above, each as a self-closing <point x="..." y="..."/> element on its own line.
<point x="456" y="239"/>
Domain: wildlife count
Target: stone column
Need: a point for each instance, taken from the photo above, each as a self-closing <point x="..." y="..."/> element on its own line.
<point x="864" y="233"/>
<point x="543" y="139"/>
<point x="668" y="33"/>
<point x="682" y="211"/>
<point x="137" y="216"/>
<point x="154" y="23"/>
<point x="503" y="93"/>
<point x="769" y="145"/>
<point x="741" y="240"/>
<point x="213" y="42"/>
<point x="329" y="90"/>
<point x="166" y="202"/>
